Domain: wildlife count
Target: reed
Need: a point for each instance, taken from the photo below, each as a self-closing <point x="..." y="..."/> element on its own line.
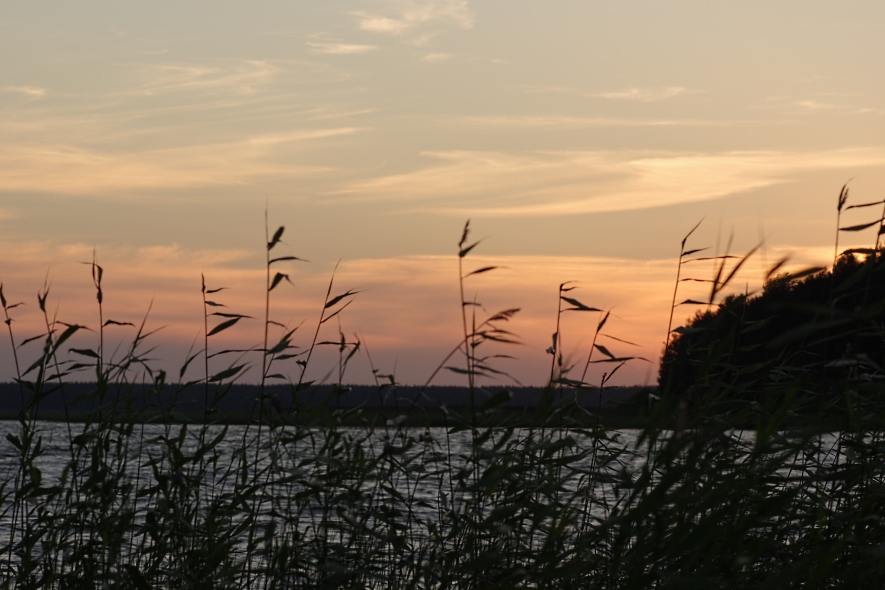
<point x="754" y="477"/>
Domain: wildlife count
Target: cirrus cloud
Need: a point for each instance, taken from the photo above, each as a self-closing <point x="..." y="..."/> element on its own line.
<point x="436" y="57"/>
<point x="75" y="169"/>
<point x="573" y="182"/>
<point x="340" y="48"/>
<point x="641" y="94"/>
<point x="419" y="20"/>
<point x="239" y="77"/>
<point x="31" y="91"/>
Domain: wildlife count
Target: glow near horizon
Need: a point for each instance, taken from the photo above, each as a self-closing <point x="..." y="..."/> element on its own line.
<point x="583" y="139"/>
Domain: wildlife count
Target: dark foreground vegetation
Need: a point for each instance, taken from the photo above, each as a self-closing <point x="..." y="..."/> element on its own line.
<point x="748" y="471"/>
<point x="822" y="326"/>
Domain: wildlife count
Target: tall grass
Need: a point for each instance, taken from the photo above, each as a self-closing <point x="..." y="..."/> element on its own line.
<point x="771" y="485"/>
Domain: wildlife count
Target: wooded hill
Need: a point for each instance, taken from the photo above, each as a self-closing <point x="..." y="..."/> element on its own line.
<point x="813" y="333"/>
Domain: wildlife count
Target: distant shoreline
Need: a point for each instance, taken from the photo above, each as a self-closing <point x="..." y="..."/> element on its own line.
<point x="354" y="405"/>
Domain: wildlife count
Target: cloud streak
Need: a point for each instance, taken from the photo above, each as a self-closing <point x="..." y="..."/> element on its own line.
<point x="574" y="182"/>
<point x="73" y="169"/>
<point x="236" y="76"/>
<point x="30" y="91"/>
<point x="570" y="122"/>
<point x="417" y="20"/>
<point x="641" y="94"/>
<point x="436" y="57"/>
<point x="340" y="48"/>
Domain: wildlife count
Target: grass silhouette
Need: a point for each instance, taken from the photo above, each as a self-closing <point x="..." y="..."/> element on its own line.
<point x="743" y="482"/>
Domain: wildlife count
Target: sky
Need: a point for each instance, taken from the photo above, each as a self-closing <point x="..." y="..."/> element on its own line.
<point x="582" y="140"/>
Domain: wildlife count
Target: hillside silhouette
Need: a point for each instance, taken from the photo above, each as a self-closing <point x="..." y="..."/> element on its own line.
<point x="812" y="332"/>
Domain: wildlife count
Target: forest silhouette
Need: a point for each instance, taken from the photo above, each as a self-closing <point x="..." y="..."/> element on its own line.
<point x="818" y="328"/>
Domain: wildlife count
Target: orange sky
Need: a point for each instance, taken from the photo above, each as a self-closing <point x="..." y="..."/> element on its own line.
<point x="582" y="139"/>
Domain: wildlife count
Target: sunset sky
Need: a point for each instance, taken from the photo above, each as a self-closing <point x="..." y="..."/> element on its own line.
<point x="582" y="140"/>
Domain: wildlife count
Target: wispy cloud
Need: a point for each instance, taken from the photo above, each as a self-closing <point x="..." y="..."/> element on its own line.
<point x="436" y="57"/>
<point x="628" y="94"/>
<point x="866" y="111"/>
<point x="566" y="183"/>
<point x="340" y="48"/>
<point x="180" y="124"/>
<point x="641" y="94"/>
<point x="568" y="122"/>
<point x="417" y="20"/>
<point x="813" y="105"/>
<point x="30" y="91"/>
<point x="75" y="169"/>
<point x="237" y="76"/>
<point x="383" y="24"/>
<point x="833" y="104"/>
